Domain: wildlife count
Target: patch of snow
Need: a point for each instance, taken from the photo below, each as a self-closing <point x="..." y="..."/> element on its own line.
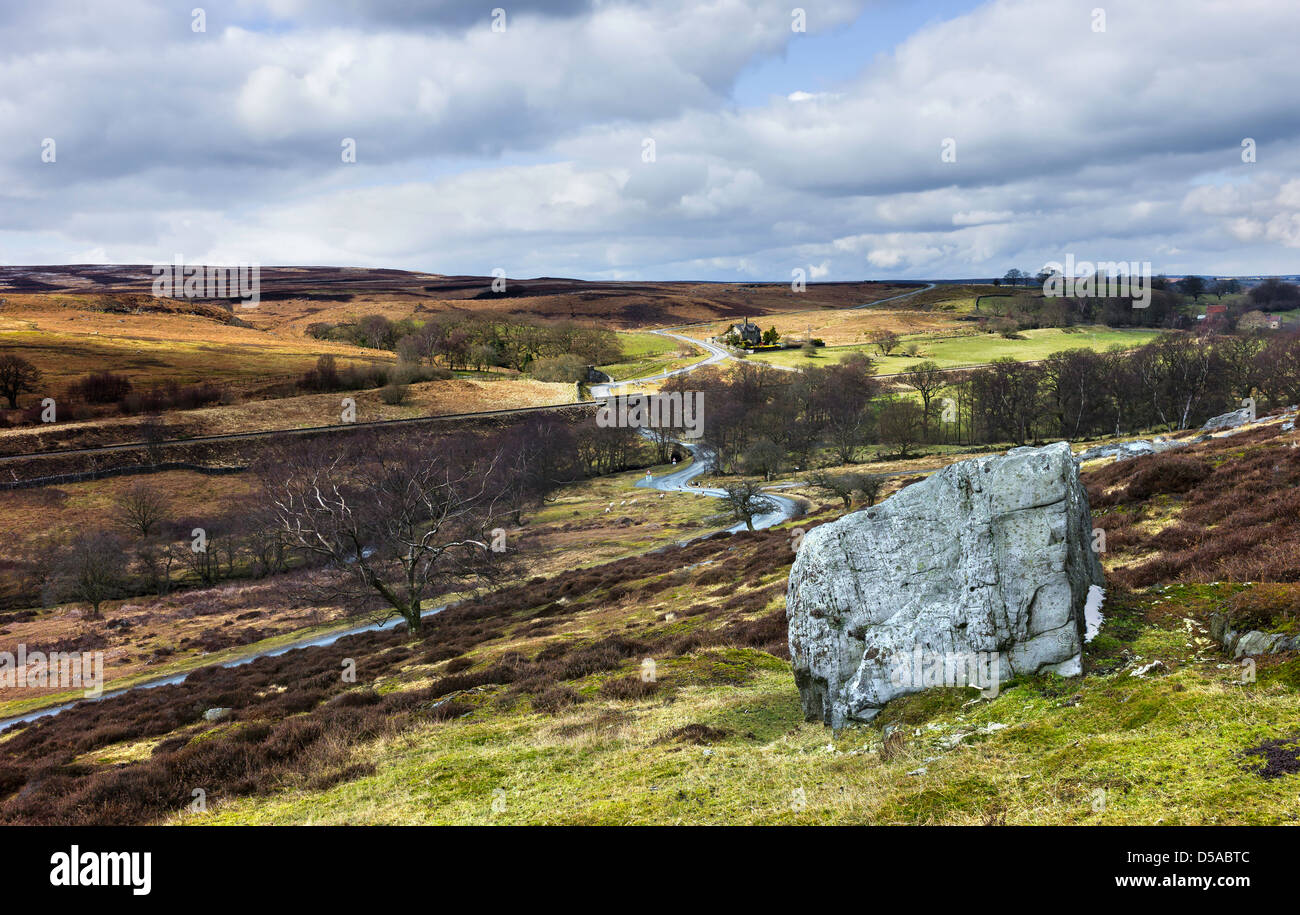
<point x="1092" y="615"/>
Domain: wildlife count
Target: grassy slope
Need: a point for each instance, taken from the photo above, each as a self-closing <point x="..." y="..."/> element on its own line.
<point x="1163" y="750"/>
<point x="1107" y="748"/>
<point x="465" y="393"/>
<point x="650" y="354"/>
<point x="66" y="338"/>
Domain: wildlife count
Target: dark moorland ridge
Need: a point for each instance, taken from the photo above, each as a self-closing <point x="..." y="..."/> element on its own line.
<point x="629" y="304"/>
<point x="339" y="282"/>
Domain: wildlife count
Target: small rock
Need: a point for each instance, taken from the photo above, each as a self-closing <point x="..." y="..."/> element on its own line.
<point x="216" y="714"/>
<point x="1153" y="667"/>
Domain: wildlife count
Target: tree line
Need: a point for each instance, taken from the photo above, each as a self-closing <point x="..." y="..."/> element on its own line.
<point x="761" y="421"/>
<point x="463" y="341"/>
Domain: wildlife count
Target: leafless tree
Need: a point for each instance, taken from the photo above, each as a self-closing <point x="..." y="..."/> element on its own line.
<point x="155" y="560"/>
<point x="927" y="379"/>
<point x="885" y="341"/>
<point x="763" y="456"/>
<point x="845" y="485"/>
<point x="92" y="569"/>
<point x="203" y="558"/>
<point x="870" y="484"/>
<point x="141" y="508"/>
<point x="404" y="518"/>
<point x="153" y="432"/>
<point x="746" y="500"/>
<point x="840" y="485"/>
<point x="900" y="424"/>
<point x="842" y="394"/>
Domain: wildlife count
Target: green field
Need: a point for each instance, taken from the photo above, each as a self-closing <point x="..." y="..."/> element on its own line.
<point x="648" y="354"/>
<point x="977" y="349"/>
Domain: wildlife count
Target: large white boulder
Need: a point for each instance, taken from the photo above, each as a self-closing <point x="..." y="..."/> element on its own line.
<point x="989" y="558"/>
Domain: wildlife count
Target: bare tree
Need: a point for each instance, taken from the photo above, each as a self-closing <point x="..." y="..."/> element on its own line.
<point x="17" y="376"/>
<point x="153" y="432"/>
<point x="746" y="500"/>
<point x="92" y="569"/>
<point x="900" y="424"/>
<point x="141" y="508"/>
<point x="763" y="456"/>
<point x="404" y="519"/>
<point x="870" y="484"/>
<point x="155" y="560"/>
<point x="884" y="340"/>
<point x="840" y="395"/>
<point x="844" y="486"/>
<point x="203" y="557"/>
<point x="840" y="485"/>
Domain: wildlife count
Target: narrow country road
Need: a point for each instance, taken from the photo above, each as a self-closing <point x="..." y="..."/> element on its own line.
<point x="679" y="481"/>
<point x="716" y="354"/>
<point x="901" y="295"/>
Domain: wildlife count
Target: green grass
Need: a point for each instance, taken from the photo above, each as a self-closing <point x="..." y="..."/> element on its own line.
<point x="1106" y="748"/>
<point x="648" y="354"/>
<point x="976" y="349"/>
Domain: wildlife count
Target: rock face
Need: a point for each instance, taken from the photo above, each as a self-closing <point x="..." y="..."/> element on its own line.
<point x="991" y="555"/>
<point x="1228" y="420"/>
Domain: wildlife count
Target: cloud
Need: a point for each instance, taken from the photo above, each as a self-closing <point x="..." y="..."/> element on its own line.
<point x="523" y="148"/>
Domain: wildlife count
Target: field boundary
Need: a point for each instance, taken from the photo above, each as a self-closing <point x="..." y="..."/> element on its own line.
<point x="306" y="430"/>
<point x="124" y="471"/>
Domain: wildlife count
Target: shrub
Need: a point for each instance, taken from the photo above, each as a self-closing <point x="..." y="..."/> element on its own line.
<point x="100" y="387"/>
<point x="556" y="698"/>
<point x="1267" y="607"/>
<point x="394" y="394"/>
<point x="559" y="368"/>
<point x="700" y="734"/>
<point x="628" y="688"/>
<point x="1166" y="473"/>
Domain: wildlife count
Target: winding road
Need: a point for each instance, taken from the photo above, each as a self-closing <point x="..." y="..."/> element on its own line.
<point x="680" y="481"/>
<point x="716" y="354"/>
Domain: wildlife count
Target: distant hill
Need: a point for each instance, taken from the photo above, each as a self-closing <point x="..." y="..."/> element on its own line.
<point x="297" y="296"/>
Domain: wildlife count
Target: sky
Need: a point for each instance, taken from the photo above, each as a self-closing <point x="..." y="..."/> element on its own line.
<point x="733" y="140"/>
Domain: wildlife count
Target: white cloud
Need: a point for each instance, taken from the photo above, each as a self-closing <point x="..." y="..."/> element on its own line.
<point x="478" y="149"/>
